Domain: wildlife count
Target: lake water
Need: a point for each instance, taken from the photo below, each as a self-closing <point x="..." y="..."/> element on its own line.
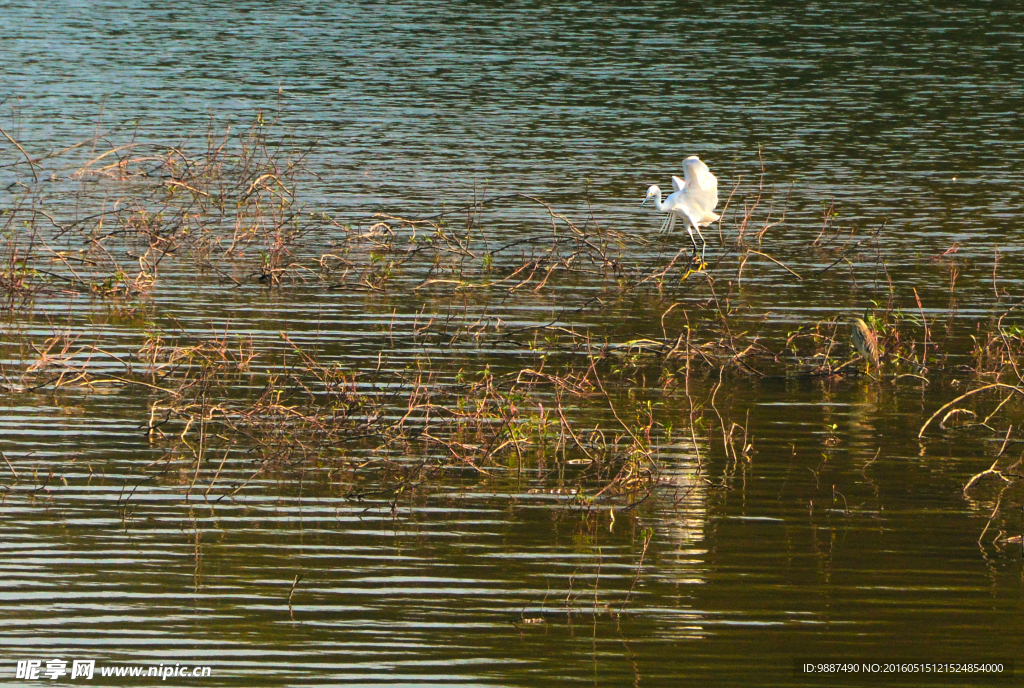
<point x="839" y="536"/>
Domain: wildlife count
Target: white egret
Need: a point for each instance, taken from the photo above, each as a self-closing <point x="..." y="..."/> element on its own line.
<point x="694" y="197"/>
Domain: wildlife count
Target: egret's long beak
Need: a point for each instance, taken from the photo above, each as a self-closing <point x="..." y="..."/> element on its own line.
<point x="644" y="201"/>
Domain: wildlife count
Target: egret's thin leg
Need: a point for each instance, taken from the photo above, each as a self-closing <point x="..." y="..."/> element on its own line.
<point x="692" y="241"/>
<point x="703" y="243"/>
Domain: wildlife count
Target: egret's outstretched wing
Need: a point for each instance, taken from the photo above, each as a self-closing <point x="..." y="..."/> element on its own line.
<point x="701" y="191"/>
<point x="678" y="184"/>
<point x="697" y="174"/>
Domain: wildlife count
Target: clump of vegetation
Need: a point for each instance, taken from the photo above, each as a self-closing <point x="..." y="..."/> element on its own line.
<point x="585" y="401"/>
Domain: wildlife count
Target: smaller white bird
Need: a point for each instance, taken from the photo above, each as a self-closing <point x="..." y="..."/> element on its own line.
<point x="694" y="197"/>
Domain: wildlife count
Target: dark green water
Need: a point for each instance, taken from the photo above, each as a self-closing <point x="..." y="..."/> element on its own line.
<point x="843" y="536"/>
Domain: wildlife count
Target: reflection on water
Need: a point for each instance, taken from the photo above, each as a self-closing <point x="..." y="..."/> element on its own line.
<point x="838" y="535"/>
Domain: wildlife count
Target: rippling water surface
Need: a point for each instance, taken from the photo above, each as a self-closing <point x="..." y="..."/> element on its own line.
<point x="842" y="537"/>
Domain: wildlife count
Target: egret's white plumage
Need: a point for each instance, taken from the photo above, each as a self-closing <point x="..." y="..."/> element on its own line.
<point x="694" y="197"/>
